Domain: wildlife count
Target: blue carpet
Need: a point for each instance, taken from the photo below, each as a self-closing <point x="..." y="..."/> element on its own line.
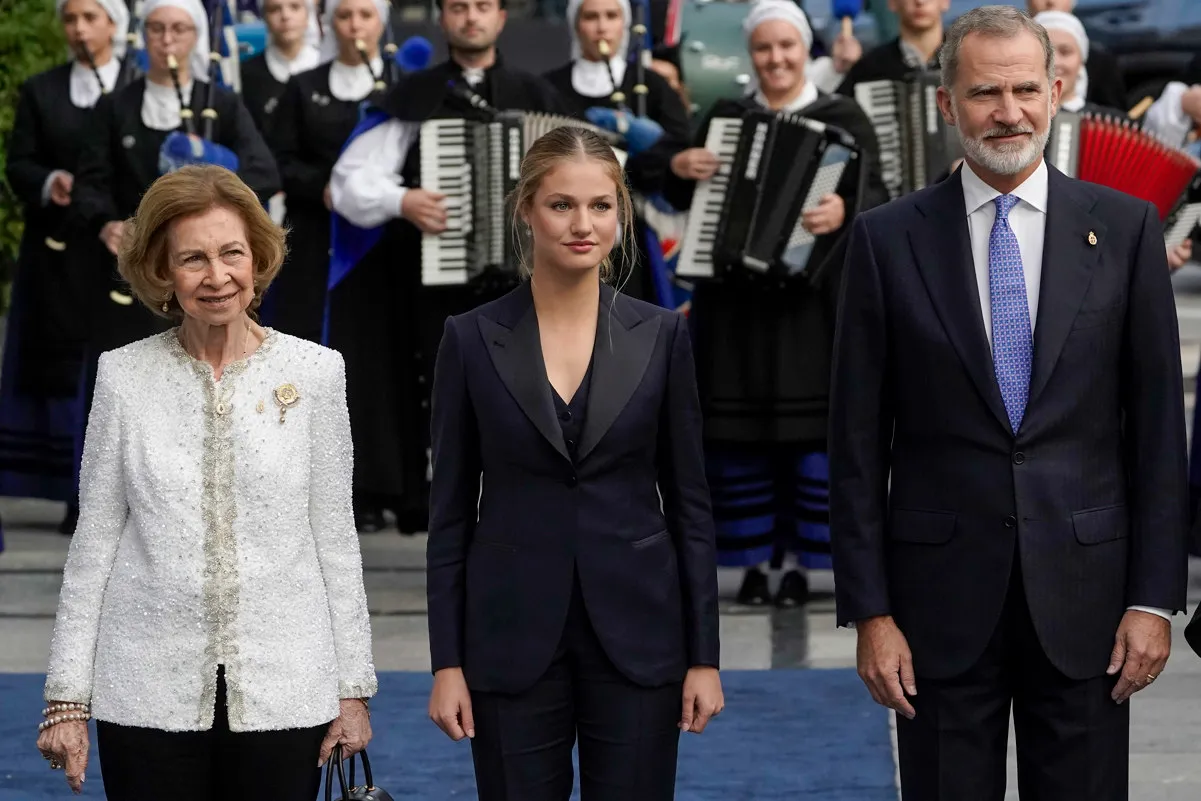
<point x="785" y="735"/>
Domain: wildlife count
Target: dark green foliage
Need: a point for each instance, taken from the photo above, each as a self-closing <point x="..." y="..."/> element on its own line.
<point x="31" y="41"/>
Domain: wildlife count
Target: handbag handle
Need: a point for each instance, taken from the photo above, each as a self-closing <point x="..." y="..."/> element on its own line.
<point x="335" y="759"/>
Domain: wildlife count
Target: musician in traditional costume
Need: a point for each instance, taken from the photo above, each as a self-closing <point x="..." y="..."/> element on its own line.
<point x="377" y="259"/>
<point x="764" y="345"/>
<point x="293" y="47"/>
<point x="317" y="114"/>
<point x="1107" y="86"/>
<point x="1071" y="44"/>
<point x="593" y="79"/>
<point x="41" y="414"/>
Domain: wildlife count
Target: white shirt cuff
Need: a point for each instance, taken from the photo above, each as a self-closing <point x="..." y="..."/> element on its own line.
<point x="1166" y="614"/>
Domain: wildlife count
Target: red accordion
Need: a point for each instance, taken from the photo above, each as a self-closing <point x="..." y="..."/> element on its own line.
<point x="1114" y="152"/>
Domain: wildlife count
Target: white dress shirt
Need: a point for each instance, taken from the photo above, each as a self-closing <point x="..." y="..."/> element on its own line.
<point x="1028" y="219"/>
<point x="365" y="185"/>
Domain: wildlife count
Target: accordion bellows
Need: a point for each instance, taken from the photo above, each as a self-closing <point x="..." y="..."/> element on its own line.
<point x="1114" y="152"/>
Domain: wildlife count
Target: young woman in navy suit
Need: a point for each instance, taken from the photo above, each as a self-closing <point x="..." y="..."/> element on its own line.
<point x="571" y="559"/>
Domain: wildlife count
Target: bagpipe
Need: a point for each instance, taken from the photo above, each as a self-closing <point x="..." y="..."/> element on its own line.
<point x="189" y="146"/>
<point x="639" y="132"/>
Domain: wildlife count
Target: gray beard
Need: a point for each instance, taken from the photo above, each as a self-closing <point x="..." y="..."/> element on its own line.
<point x="1009" y="159"/>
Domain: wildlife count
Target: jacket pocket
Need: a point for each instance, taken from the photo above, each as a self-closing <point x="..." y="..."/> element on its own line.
<point x="651" y="540"/>
<point x="927" y="528"/>
<point x="1094" y="526"/>
<point x="1094" y="318"/>
<point x="499" y="546"/>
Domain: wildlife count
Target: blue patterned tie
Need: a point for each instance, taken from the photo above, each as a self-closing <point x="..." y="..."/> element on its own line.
<point x="1012" y="345"/>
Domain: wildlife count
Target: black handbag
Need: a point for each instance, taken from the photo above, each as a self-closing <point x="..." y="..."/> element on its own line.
<point x="368" y="792"/>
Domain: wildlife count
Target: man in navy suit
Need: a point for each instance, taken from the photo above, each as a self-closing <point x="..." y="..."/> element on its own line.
<point x="1007" y="453"/>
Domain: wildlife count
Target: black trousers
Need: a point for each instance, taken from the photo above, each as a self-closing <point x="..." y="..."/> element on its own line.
<point x="1073" y="740"/>
<point x="628" y="734"/>
<point x="217" y="765"/>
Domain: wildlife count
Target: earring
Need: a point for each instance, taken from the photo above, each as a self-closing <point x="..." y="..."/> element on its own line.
<point x="166" y="305"/>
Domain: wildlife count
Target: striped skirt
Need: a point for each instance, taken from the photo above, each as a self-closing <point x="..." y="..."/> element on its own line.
<point x="769" y="500"/>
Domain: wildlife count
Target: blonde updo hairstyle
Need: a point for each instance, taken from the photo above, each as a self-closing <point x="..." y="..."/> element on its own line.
<point x="568" y="143"/>
<point x="143" y="260"/>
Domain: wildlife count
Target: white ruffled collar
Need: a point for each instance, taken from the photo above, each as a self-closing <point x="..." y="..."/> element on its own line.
<point x="591" y="78"/>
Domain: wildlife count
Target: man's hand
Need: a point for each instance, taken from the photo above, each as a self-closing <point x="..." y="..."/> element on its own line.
<point x="1140" y="651"/>
<point x="425" y="209"/>
<point x="703" y="699"/>
<point x="885" y="663"/>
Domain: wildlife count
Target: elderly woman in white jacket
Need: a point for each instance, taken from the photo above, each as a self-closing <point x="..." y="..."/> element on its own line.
<point x="212" y="618"/>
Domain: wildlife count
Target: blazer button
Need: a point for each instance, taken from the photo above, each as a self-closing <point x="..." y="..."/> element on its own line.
<point x="1019" y="458"/>
<point x="1011" y="522"/>
<point x="571" y="481"/>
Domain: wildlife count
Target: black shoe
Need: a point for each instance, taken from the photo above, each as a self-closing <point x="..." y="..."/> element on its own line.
<point x="369" y="520"/>
<point x="794" y="590"/>
<point x="754" y="590"/>
<point x="70" y="521"/>
<point x="412" y="521"/>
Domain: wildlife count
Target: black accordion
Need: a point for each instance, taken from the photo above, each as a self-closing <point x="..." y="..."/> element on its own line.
<point x="476" y="165"/>
<point x="746" y="219"/>
<point x="917" y="147"/>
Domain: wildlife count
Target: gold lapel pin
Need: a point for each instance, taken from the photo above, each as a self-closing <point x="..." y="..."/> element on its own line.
<point x="1092" y="238"/>
<point x="286" y="397"/>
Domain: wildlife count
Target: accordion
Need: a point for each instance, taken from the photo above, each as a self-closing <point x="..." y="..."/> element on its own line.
<point x="476" y="165"/>
<point x="747" y="217"/>
<point x="1112" y="152"/>
<point x="917" y="147"/>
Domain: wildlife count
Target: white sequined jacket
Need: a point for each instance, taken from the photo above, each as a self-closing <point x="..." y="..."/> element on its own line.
<point x="215" y="528"/>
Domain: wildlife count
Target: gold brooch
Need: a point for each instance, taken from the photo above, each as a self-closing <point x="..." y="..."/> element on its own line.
<point x="286" y="397"/>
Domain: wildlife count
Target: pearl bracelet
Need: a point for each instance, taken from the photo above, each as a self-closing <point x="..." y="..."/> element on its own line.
<point x="45" y="724"/>
<point x="56" y="708"/>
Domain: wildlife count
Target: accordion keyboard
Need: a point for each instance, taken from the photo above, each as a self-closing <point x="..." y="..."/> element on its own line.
<point x="700" y="234"/>
<point x="446" y="157"/>
<point x="880" y="102"/>
<point x="800" y="245"/>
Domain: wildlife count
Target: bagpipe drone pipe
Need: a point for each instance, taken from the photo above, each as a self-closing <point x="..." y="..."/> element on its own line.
<point x="1113" y="152"/>
<point x="191" y="145"/>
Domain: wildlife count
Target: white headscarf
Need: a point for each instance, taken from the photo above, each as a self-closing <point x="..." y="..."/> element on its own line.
<point x="767" y="10"/>
<point x="785" y="10"/>
<point x="198" y="62"/>
<point x="117" y="12"/>
<point x="573" y="12"/>
<point x="329" y="42"/>
<point x="592" y="78"/>
<point x="1063" y="21"/>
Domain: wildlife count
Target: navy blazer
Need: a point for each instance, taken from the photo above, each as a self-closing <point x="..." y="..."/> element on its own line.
<point x="933" y="495"/>
<point x="512" y="518"/>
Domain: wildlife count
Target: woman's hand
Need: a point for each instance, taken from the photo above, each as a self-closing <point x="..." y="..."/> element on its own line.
<point x="352" y="730"/>
<point x="1179" y="255"/>
<point x="703" y="698"/>
<point x="60" y="188"/>
<point x="67" y="743"/>
<point x="450" y="704"/>
<point x="425" y="209"/>
<point x="111" y="235"/>
<point x="694" y="164"/>
<point x="829" y="216"/>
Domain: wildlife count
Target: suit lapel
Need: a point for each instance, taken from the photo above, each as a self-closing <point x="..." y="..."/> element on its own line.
<point x="1068" y="261"/>
<point x="517" y="356"/>
<point x="943" y="253"/>
<point x="624" y="343"/>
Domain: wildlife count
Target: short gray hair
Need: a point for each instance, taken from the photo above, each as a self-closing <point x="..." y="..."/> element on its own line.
<point x="1001" y="22"/>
